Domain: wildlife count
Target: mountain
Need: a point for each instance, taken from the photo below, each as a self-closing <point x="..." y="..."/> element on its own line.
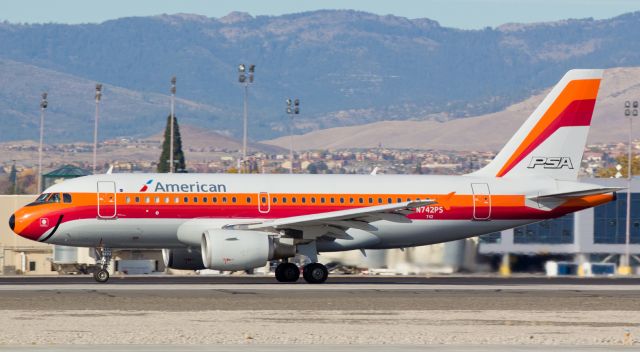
<point x="347" y="67"/>
<point x="486" y="132"/>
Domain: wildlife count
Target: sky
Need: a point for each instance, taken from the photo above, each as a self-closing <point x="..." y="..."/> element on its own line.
<point x="467" y="14"/>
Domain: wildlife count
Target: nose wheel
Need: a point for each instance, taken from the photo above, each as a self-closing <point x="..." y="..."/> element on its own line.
<point x="104" y="258"/>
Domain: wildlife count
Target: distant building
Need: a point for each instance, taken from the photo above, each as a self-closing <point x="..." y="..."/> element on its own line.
<point x="593" y="234"/>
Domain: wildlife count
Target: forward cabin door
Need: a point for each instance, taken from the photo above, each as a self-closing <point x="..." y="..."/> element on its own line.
<point x="481" y="201"/>
<point x="264" y="205"/>
<point x="106" y="200"/>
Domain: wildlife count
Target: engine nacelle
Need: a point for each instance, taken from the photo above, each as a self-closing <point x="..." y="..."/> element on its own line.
<point x="231" y="250"/>
<point x="183" y="259"/>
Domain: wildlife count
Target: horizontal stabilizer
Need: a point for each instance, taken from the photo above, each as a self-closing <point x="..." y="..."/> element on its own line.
<point x="581" y="193"/>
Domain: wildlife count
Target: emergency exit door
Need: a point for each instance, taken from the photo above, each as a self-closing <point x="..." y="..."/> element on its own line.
<point x="481" y="201"/>
<point x="106" y="199"/>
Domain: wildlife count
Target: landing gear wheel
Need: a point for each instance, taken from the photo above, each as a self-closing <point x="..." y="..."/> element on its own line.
<point x="315" y="273"/>
<point x="101" y="276"/>
<point x="287" y="272"/>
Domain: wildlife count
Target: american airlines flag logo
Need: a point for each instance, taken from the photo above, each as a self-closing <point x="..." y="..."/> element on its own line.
<point x="146" y="186"/>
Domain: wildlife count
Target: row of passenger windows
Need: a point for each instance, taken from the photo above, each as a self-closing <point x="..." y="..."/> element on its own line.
<point x="263" y="200"/>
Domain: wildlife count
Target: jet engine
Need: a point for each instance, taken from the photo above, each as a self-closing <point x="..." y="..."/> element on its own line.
<point x="231" y="250"/>
<point x="183" y="259"/>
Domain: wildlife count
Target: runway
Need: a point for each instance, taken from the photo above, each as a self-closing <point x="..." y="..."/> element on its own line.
<point x="190" y="293"/>
<point x="465" y="313"/>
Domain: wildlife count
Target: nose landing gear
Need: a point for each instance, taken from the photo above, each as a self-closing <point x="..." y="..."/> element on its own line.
<point x="104" y="257"/>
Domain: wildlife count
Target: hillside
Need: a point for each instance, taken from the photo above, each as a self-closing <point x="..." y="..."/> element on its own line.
<point x="347" y="67"/>
<point x="486" y="132"/>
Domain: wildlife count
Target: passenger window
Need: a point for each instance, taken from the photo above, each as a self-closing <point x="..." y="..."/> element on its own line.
<point x="333" y="200"/>
<point x="350" y="199"/>
<point x="322" y="200"/>
<point x="127" y="199"/>
<point x="157" y="199"/>
<point x="66" y="197"/>
<point x="233" y="199"/>
<point x="274" y="200"/>
<point x="137" y="199"/>
<point x="147" y="199"/>
<point x="249" y="200"/>
<point x="313" y="200"/>
<point x="389" y="200"/>
<point x="195" y="199"/>
<point x="341" y="200"/>
<point x="284" y="200"/>
<point x="186" y="199"/>
<point x="264" y="200"/>
<point x="166" y="199"/>
<point x="214" y="199"/>
<point x="293" y="199"/>
<point x="176" y="200"/>
<point x="399" y="200"/>
<point x="360" y="200"/>
<point x="304" y="199"/>
<point x="224" y="199"/>
<point x="370" y="200"/>
<point x="379" y="200"/>
<point x="204" y="199"/>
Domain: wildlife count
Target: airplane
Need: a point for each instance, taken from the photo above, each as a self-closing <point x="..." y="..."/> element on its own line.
<point x="232" y="222"/>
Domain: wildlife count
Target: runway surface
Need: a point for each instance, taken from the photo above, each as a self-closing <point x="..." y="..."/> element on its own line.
<point x="351" y="313"/>
<point x="191" y="293"/>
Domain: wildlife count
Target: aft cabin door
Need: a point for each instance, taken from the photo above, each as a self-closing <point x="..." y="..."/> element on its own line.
<point x="264" y="205"/>
<point x="106" y="200"/>
<point x="481" y="201"/>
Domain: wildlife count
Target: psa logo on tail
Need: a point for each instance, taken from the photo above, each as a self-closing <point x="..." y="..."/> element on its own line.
<point x="554" y="162"/>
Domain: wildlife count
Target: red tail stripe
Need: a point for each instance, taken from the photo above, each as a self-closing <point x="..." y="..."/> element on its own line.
<point x="578" y="113"/>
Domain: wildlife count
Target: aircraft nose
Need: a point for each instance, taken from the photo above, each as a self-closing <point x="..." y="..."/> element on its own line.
<point x="12" y="222"/>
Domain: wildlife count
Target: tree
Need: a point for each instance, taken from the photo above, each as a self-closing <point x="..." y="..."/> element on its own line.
<point x="623" y="161"/>
<point x="13" y="180"/>
<point x="178" y="155"/>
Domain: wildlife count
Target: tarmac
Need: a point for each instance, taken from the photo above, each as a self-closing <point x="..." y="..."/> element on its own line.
<point x="351" y="313"/>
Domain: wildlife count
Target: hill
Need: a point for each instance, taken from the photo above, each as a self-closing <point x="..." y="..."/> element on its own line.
<point x="347" y="67"/>
<point x="486" y="132"/>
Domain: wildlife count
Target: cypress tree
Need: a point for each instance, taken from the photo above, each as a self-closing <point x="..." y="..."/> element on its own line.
<point x="13" y="180"/>
<point x="178" y="155"/>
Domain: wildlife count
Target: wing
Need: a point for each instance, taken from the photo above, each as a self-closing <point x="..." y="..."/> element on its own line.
<point x="335" y="223"/>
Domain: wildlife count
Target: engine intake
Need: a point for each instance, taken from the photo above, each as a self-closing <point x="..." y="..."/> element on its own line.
<point x="183" y="259"/>
<point x="241" y="250"/>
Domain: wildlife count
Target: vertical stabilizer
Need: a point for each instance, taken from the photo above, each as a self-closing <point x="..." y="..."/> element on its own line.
<point x="551" y="141"/>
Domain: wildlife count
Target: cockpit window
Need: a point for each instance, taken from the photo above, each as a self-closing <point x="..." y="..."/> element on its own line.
<point x="50" y="198"/>
<point x="66" y="197"/>
<point x="55" y="198"/>
<point x="41" y="198"/>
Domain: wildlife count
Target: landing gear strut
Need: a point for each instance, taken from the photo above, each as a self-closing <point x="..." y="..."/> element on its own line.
<point x="315" y="273"/>
<point x="104" y="257"/>
<point x="287" y="272"/>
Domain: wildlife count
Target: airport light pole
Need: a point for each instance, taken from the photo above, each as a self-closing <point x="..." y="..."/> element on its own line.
<point x="293" y="108"/>
<point x="43" y="107"/>
<point x="95" y="125"/>
<point x="173" y="106"/>
<point x="245" y="77"/>
<point x="630" y="111"/>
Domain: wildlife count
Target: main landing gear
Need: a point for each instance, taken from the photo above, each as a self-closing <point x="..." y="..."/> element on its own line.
<point x="104" y="258"/>
<point x="313" y="273"/>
